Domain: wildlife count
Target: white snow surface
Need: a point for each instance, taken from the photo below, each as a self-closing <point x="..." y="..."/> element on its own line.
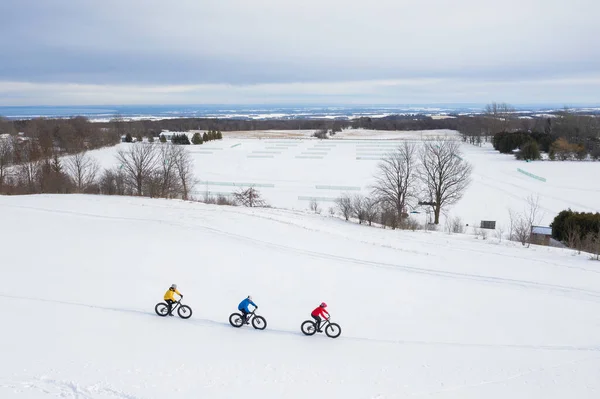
<point x="423" y="314"/>
<point x="290" y="172"/>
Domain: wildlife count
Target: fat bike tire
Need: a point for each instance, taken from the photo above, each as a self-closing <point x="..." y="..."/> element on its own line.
<point x="308" y="328"/>
<point x="184" y="311"/>
<point x="236" y="320"/>
<point x="333" y="330"/>
<point x="161" y="309"/>
<point x="259" y="323"/>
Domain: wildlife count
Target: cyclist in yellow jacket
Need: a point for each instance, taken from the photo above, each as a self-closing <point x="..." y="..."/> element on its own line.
<point x="170" y="296"/>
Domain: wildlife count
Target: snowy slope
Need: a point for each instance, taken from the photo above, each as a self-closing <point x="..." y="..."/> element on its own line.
<point x="291" y="172"/>
<point x="422" y="314"/>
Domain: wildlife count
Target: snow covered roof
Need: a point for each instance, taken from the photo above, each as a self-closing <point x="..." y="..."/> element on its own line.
<point x="547" y="231"/>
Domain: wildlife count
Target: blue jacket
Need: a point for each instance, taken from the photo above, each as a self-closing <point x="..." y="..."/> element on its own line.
<point x="245" y="303"/>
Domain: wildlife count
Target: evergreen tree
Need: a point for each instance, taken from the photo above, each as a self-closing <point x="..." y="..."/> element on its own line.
<point x="219" y="135"/>
<point x="180" y="139"/>
<point x="196" y="139"/>
<point x="151" y="139"/>
<point x="128" y="138"/>
<point x="205" y="137"/>
<point x="530" y="151"/>
<point x="162" y="138"/>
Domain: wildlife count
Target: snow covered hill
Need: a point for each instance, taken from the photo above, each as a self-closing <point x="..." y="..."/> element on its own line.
<point x="422" y="314"/>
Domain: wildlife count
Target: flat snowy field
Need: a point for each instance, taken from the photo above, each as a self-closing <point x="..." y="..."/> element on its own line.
<point x="422" y="314"/>
<point x="290" y="172"/>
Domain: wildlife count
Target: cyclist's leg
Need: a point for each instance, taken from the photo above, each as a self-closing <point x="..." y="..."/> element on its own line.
<point x="244" y="315"/>
<point x="170" y="304"/>
<point x="317" y="322"/>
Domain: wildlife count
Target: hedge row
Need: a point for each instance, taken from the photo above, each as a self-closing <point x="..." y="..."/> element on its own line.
<point x="569" y="221"/>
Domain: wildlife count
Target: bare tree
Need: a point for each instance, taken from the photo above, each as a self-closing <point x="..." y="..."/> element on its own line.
<point x="532" y="213"/>
<point x="498" y="117"/>
<point x="6" y="157"/>
<point x="314" y="206"/>
<point x="166" y="179"/>
<point x="573" y="236"/>
<point x="596" y="245"/>
<point x="82" y="169"/>
<point x="184" y="166"/>
<point x="138" y="163"/>
<point x="521" y="224"/>
<point x="358" y="208"/>
<point x="396" y="178"/>
<point x="371" y="209"/>
<point x="29" y="160"/>
<point x="388" y="217"/>
<point x="499" y="233"/>
<point x="344" y="205"/>
<point x="249" y="197"/>
<point x="521" y="230"/>
<point x="444" y="174"/>
<point x="454" y="225"/>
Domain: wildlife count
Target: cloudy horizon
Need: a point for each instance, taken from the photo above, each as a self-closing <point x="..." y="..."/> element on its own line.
<point x="65" y="52"/>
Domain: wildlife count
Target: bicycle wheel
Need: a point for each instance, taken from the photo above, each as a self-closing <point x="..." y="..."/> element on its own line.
<point x="333" y="330"/>
<point x="236" y="320"/>
<point x="161" y="309"/>
<point x="308" y="328"/>
<point x="259" y="323"/>
<point x="184" y="311"/>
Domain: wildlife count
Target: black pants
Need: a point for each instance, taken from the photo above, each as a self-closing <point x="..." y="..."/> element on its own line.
<point x="244" y="314"/>
<point x="170" y="304"/>
<point x="317" y="322"/>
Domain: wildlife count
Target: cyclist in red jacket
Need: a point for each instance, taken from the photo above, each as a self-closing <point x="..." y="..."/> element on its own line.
<point x="317" y="313"/>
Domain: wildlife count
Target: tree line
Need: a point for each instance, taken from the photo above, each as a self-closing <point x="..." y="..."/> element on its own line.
<point x="144" y="169"/>
<point x="566" y="135"/>
<point x="62" y="136"/>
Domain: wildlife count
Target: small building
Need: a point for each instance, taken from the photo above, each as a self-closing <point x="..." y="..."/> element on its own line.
<point x="541" y="235"/>
<point x="488" y="224"/>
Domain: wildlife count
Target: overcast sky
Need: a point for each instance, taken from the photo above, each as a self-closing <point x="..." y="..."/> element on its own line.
<point x="73" y="52"/>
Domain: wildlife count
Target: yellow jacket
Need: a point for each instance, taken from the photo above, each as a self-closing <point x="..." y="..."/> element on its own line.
<point x="170" y="294"/>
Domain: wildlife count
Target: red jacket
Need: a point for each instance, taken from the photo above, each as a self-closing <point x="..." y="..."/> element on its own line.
<point x="320" y="312"/>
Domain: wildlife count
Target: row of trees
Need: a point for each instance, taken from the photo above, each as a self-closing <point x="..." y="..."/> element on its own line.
<point x="144" y="170"/>
<point x="530" y="144"/>
<point x="181" y="138"/>
<point x="207" y="136"/>
<point x="147" y="128"/>
<point x="62" y="136"/>
<point x="435" y="176"/>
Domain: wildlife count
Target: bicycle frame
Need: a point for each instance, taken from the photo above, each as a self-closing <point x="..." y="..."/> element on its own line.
<point x="248" y="316"/>
<point x="175" y="305"/>
<point x="323" y="323"/>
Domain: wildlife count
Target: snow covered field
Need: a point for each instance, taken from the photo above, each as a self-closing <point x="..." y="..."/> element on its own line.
<point x="291" y="171"/>
<point x="422" y="314"/>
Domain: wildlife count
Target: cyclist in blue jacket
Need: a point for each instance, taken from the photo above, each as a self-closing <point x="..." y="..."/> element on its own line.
<point x="243" y="307"/>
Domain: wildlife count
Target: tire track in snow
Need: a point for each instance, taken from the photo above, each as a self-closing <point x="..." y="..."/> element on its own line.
<point x="589" y="294"/>
<point x="419" y="270"/>
<point x="212" y="323"/>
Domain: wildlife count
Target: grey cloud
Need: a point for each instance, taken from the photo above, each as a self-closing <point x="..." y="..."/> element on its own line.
<point x="238" y="42"/>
